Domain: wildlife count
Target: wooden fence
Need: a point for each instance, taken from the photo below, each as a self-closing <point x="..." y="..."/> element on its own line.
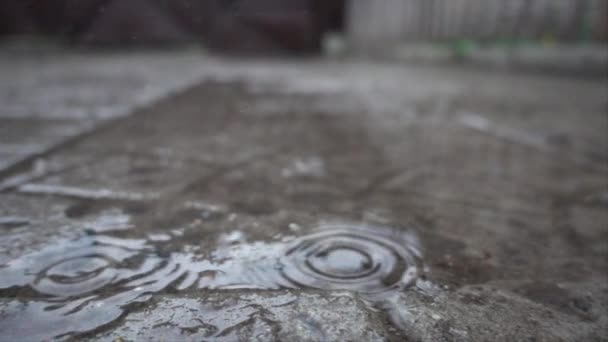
<point x="373" y="22"/>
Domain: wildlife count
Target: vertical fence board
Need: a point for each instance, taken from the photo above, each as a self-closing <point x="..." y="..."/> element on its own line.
<point x="375" y="22"/>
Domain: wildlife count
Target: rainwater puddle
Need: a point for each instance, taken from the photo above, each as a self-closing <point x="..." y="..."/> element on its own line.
<point x="76" y="286"/>
<point x="358" y="259"/>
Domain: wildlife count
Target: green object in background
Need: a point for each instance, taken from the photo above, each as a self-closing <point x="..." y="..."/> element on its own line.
<point x="585" y="32"/>
<point x="462" y="48"/>
<point x="548" y="40"/>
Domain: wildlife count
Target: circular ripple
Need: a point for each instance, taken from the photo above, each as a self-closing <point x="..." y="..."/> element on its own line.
<point x="365" y="259"/>
<point x="76" y="276"/>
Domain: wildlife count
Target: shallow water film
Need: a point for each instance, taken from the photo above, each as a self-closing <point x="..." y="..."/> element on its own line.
<point x="304" y="201"/>
<point x="80" y="284"/>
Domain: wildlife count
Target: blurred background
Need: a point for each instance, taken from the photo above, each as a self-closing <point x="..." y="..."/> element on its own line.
<point x="302" y="26"/>
<point x="265" y="26"/>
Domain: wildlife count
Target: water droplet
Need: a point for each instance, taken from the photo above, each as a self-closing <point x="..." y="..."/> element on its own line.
<point x="231" y="238"/>
<point x="110" y="220"/>
<point x="159" y="237"/>
<point x="313" y="167"/>
<point x="294" y="227"/>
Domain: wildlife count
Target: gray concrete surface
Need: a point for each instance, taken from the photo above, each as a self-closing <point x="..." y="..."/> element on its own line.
<point x="49" y="96"/>
<point x="307" y="200"/>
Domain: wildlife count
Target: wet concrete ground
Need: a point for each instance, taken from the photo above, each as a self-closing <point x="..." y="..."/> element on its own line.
<point x="311" y="200"/>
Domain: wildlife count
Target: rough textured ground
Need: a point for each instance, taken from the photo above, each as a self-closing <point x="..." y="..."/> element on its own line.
<point x="49" y="96"/>
<point x="177" y="222"/>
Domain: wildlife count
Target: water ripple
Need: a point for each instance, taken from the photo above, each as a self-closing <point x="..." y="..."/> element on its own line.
<point x="75" y="286"/>
<point x="353" y="258"/>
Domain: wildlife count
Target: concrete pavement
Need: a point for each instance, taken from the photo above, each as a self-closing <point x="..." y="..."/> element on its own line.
<point x="300" y="200"/>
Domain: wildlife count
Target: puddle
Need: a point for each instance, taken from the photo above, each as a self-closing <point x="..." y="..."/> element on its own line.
<point x="359" y="259"/>
<point x="76" y="286"/>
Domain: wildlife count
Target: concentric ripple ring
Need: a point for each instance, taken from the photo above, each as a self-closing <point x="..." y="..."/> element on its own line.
<point x="358" y="258"/>
<point x="76" y="276"/>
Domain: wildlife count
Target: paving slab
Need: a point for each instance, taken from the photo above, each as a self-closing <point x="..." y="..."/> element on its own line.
<point x="52" y="95"/>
